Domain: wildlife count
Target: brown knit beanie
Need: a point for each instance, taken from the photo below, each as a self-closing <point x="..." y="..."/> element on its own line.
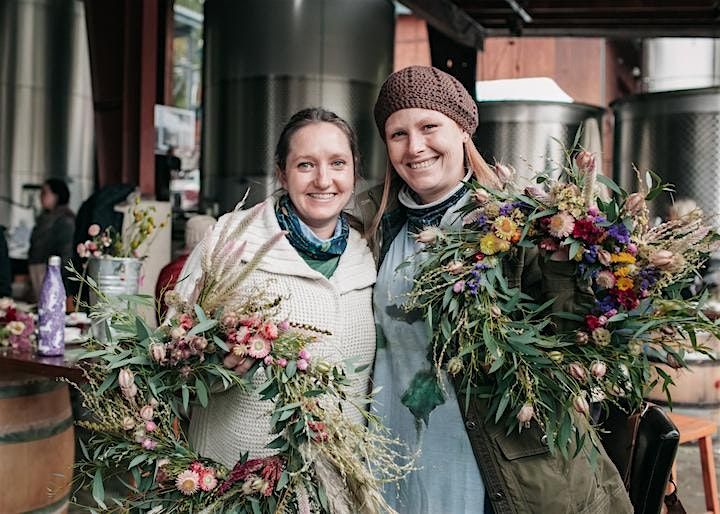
<point x="426" y="87"/>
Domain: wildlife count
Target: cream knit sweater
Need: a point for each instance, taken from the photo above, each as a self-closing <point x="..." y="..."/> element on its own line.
<point x="235" y="422"/>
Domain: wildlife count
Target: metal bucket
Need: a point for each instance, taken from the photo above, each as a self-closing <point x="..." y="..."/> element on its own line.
<point x="114" y="276"/>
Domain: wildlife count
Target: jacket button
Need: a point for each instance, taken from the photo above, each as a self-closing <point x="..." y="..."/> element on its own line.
<point x="498" y="496"/>
<point x="470" y="425"/>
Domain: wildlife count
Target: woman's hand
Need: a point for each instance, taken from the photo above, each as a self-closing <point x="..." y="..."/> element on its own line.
<point x="239" y="365"/>
<point x="561" y="254"/>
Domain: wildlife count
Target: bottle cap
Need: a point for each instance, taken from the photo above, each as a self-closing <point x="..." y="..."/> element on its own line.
<point x="54" y="260"/>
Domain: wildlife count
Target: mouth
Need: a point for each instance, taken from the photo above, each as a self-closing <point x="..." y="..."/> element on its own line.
<point x="322" y="196"/>
<point x="420" y="165"/>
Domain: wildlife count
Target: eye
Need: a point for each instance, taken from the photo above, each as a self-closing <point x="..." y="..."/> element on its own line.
<point x="338" y="163"/>
<point x="305" y="165"/>
<point x="429" y="126"/>
<point x="397" y="134"/>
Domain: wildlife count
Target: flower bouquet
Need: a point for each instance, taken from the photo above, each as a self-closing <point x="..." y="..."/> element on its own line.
<point x="17" y="328"/>
<point x="142" y="383"/>
<point x="109" y="242"/>
<point x="534" y="362"/>
<point x="644" y="310"/>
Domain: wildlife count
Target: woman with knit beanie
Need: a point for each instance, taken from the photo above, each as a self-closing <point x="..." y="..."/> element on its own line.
<point x="467" y="464"/>
<point x="323" y="270"/>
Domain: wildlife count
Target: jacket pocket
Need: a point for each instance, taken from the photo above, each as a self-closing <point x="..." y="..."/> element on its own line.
<point x="528" y="443"/>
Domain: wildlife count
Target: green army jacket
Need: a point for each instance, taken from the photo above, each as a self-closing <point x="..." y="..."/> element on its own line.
<point x="519" y="473"/>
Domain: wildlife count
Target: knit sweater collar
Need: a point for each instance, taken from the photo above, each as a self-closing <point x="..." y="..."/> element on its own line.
<point x="355" y="269"/>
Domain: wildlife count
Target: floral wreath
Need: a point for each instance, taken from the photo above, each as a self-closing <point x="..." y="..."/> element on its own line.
<point x="142" y="383"/>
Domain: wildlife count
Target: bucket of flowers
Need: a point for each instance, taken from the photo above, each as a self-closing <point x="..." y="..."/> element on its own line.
<point x="17" y="327"/>
<point x="545" y="363"/>
<point x="142" y="383"/>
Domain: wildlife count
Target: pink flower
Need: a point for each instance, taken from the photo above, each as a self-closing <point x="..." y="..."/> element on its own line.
<point x="561" y="225"/>
<point x="598" y="369"/>
<point x="284" y="325"/>
<point x="251" y="321"/>
<point x="631" y="249"/>
<point x="282" y="362"/>
<point x="186" y="321"/>
<point x="526" y="413"/>
<point x="229" y="321"/>
<point x="577" y="371"/>
<point x="538" y="193"/>
<point x="459" y="286"/>
<point x="242" y="335"/>
<point x="605" y="280"/>
<point x="270" y="331"/>
<point x="581" y="405"/>
<point x="455" y="267"/>
<point x="481" y="196"/>
<point x="634" y="204"/>
<point x="549" y="244"/>
<point x="258" y="347"/>
<point x="304" y="354"/>
<point x="208" y="482"/>
<point x="187" y="482"/>
<point x="94" y="230"/>
<point x="197" y="467"/>
<point x="92" y="247"/>
<point x="147" y="413"/>
<point x="302" y="364"/>
<point x="150" y="426"/>
<point x="604" y="257"/>
<point x="504" y="172"/>
<point x="268" y="360"/>
<point x="81" y="250"/>
<point x="149" y="444"/>
<point x="585" y="161"/>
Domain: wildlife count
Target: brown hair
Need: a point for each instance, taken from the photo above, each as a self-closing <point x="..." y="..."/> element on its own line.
<point x="307" y="117"/>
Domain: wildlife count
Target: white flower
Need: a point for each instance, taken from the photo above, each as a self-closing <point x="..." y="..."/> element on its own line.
<point x="16" y="328"/>
<point x="6" y="303"/>
<point x="187" y="482"/>
<point x="429" y="235"/>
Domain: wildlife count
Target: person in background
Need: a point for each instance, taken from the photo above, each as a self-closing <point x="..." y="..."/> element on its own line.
<point x="467" y="463"/>
<point x="53" y="233"/>
<point x="5" y="266"/>
<point x="195" y="230"/>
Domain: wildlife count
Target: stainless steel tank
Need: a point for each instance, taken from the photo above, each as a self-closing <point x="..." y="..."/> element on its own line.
<point x="677" y="135"/>
<point x="266" y="60"/>
<point x="46" y="109"/>
<point x="523" y="133"/>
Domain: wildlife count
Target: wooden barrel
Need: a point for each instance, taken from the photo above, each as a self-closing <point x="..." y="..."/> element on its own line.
<point x="37" y="446"/>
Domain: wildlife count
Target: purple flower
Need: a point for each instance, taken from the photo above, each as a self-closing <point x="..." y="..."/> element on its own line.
<point x="619" y="232"/>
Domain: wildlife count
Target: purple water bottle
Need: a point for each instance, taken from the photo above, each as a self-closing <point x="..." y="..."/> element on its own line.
<point x="51" y="311"/>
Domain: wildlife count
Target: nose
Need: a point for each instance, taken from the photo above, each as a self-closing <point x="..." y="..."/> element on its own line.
<point x="322" y="177"/>
<point x="416" y="143"/>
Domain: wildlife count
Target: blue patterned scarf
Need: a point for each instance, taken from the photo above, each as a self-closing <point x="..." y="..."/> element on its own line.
<point x="419" y="217"/>
<point x="304" y="240"/>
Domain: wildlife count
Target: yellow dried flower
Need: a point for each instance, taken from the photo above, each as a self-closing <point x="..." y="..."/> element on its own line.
<point x="623" y="257"/>
<point x="504" y="228"/>
<point x="624" y="284"/>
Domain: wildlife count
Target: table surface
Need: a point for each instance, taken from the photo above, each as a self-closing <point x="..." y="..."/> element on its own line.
<point x="32" y="363"/>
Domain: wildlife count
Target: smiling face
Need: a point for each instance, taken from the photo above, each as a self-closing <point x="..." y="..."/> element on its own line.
<point x="319" y="175"/>
<point x="426" y="149"/>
